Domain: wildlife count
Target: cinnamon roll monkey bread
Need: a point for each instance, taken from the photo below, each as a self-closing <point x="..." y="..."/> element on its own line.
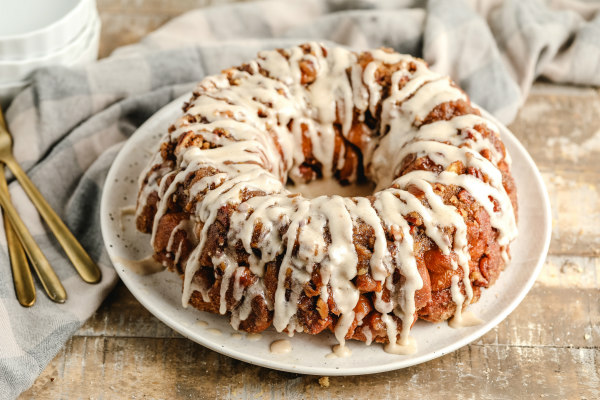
<point x="218" y="200"/>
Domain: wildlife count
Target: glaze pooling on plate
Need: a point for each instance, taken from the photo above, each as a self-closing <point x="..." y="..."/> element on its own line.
<point x="282" y="346"/>
<point x="250" y="125"/>
<point x="161" y="294"/>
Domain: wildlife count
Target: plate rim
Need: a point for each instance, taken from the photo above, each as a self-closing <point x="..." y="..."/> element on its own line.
<point x="329" y="371"/>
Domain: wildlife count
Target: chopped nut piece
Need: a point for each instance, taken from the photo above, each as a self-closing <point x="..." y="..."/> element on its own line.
<point x="455" y="167"/>
<point x="324" y="381"/>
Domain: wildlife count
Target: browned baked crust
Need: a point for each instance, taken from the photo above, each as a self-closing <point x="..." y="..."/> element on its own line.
<point x="433" y="302"/>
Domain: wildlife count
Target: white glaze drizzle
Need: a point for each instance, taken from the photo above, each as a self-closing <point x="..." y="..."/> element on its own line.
<point x="339" y="351"/>
<point x="265" y="116"/>
<point x="282" y="346"/>
<point x="145" y="266"/>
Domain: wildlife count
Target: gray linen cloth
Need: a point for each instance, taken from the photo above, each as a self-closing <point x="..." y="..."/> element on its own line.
<point x="69" y="125"/>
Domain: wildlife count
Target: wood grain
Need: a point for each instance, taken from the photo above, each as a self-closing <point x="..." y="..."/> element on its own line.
<point x="549" y="347"/>
<point x="178" y="368"/>
<point x="560" y="128"/>
<point x="127" y="21"/>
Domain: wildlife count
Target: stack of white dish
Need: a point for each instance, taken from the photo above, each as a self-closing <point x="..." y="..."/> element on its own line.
<point x="40" y="33"/>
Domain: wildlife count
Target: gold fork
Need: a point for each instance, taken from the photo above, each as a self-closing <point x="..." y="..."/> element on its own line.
<point x="44" y="271"/>
<point x="85" y="266"/>
<point x="18" y="259"/>
<point x="18" y="239"/>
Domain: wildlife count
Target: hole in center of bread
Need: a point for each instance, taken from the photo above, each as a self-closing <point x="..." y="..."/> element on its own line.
<point x="330" y="187"/>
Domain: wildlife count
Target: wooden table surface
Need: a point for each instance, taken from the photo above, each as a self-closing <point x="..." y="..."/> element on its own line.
<point x="549" y="347"/>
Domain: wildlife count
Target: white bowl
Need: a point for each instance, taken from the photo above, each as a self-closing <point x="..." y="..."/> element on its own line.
<point x="33" y="28"/>
<point x="11" y="71"/>
<point x="9" y="90"/>
<point x="90" y="52"/>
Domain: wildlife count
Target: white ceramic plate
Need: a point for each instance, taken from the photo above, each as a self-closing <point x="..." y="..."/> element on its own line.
<point x="34" y="28"/>
<point x="161" y="293"/>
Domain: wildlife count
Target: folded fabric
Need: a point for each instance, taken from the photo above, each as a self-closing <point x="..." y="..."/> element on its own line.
<point x="70" y="124"/>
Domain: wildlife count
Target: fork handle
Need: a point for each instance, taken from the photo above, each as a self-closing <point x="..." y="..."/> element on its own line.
<point x="48" y="278"/>
<point x="85" y="266"/>
<point x="18" y="258"/>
